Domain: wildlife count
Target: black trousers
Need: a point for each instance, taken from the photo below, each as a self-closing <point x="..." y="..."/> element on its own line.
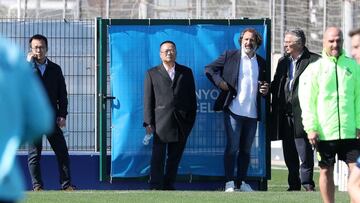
<point x="165" y="161"/>
<point x="306" y="155"/>
<point x="293" y="148"/>
<point x="58" y="144"/>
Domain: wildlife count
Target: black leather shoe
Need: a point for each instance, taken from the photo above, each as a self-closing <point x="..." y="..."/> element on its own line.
<point x="155" y="187"/>
<point x="293" y="189"/>
<point x="169" y="187"/>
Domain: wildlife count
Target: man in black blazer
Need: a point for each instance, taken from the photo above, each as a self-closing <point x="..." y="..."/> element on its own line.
<point x="240" y="74"/>
<point x="54" y="83"/>
<point x="286" y="112"/>
<point x="169" y="113"/>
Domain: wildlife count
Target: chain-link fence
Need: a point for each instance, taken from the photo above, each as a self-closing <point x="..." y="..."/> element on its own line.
<point x="71" y="45"/>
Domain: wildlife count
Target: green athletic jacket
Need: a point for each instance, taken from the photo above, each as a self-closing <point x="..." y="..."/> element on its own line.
<point x="329" y="94"/>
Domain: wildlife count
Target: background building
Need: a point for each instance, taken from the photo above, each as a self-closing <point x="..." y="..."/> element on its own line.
<point x="311" y="15"/>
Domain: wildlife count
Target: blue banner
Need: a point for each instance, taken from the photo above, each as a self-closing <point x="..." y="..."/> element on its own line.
<point x="133" y="50"/>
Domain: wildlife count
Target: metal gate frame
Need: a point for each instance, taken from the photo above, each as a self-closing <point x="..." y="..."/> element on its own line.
<point x="102" y="74"/>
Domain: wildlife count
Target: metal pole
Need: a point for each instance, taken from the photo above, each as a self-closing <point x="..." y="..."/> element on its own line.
<point x="77" y="10"/>
<point x="64" y="9"/>
<point x="97" y="89"/>
<point x="172" y="5"/>
<point x="324" y="17"/>
<point x="270" y="6"/>
<point x="282" y="26"/>
<point x="107" y="9"/>
<point x="37" y="8"/>
<point x="143" y="9"/>
<point x="198" y="9"/>
<point x="233" y="6"/>
<point x="19" y="9"/>
<point x="348" y="23"/>
<point x="155" y="10"/>
<point x="273" y="25"/>
<point x="101" y="103"/>
<point x="25" y="8"/>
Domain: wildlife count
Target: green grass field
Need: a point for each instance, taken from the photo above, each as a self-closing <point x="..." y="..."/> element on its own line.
<point x="276" y="193"/>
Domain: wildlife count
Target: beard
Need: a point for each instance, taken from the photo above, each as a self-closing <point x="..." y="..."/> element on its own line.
<point x="250" y="49"/>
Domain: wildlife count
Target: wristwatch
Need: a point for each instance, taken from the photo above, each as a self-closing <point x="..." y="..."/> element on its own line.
<point x="358" y="162"/>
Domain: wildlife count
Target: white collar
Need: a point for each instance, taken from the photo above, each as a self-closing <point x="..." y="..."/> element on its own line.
<point x="245" y="56"/>
<point x="171" y="69"/>
<point x="297" y="58"/>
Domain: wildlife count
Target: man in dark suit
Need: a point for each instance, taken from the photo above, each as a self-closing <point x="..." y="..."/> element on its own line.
<point x="240" y="74"/>
<point x="286" y="111"/>
<point x="169" y="113"/>
<point x="54" y="83"/>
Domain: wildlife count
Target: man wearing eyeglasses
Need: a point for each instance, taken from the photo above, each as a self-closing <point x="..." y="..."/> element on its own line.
<point x="54" y="83"/>
<point x="169" y="113"/>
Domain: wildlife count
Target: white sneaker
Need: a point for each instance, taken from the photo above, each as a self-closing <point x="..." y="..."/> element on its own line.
<point x="245" y="187"/>
<point x="229" y="186"/>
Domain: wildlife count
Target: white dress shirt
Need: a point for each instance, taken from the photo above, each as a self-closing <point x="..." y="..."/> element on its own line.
<point x="170" y="71"/>
<point x="244" y="104"/>
<point x="292" y="70"/>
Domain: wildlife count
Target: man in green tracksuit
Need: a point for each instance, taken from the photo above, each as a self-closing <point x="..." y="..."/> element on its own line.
<point x="329" y="94"/>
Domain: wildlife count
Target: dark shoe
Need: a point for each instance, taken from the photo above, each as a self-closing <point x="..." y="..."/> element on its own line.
<point x="169" y="187"/>
<point x="290" y="189"/>
<point x="38" y="189"/>
<point x="69" y="188"/>
<point x="309" y="188"/>
<point x="155" y="187"/>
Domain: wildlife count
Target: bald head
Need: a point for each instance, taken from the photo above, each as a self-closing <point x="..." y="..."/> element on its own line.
<point x="333" y="41"/>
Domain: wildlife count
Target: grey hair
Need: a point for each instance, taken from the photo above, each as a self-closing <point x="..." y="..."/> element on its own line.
<point x="298" y="33"/>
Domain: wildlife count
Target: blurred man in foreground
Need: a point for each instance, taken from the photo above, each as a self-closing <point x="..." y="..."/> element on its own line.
<point x="355" y="44"/>
<point x="25" y="115"/>
<point x="354" y="178"/>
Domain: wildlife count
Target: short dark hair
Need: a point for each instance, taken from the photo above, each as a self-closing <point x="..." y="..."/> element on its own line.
<point x="258" y="38"/>
<point x="299" y="33"/>
<point x="168" y="41"/>
<point x="39" y="37"/>
<point x="354" y="32"/>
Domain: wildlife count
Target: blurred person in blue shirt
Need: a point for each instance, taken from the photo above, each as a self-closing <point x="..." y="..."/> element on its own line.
<point x="25" y="115"/>
<point x="354" y="178"/>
